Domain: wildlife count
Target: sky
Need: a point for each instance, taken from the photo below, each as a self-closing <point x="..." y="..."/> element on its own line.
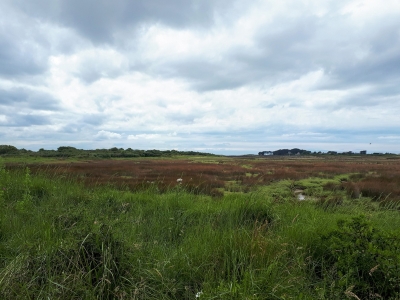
<point x="218" y="76"/>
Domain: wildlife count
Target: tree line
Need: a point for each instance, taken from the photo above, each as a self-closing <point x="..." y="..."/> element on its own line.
<point x="68" y="151"/>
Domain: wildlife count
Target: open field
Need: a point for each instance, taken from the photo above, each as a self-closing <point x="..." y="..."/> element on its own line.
<point x="234" y="228"/>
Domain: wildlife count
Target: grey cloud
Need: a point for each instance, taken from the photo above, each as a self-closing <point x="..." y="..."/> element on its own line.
<point x="23" y="47"/>
<point x="204" y="75"/>
<point x="386" y="90"/>
<point x="180" y="118"/>
<point x="71" y="128"/>
<point x="31" y="119"/>
<point x="25" y="98"/>
<point x="287" y="37"/>
<point x="93" y="70"/>
<point x="371" y="70"/>
<point x="98" y="20"/>
<point x="368" y="99"/>
<point x="94" y="119"/>
<point x="18" y="58"/>
<point x="27" y="42"/>
<point x="91" y="74"/>
<point x="378" y="62"/>
<point x="290" y="48"/>
<point x="280" y="54"/>
<point x="25" y="120"/>
<point x="84" y="123"/>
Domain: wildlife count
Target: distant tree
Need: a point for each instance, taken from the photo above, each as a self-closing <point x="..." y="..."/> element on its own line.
<point x="66" y="148"/>
<point x="7" y="149"/>
<point x="153" y="153"/>
<point x="290" y="151"/>
<point x="68" y="151"/>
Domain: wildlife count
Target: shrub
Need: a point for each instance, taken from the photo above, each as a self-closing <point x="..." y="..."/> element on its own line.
<point x="358" y="259"/>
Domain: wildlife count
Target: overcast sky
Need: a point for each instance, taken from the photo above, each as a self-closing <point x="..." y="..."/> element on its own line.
<point x="219" y="76"/>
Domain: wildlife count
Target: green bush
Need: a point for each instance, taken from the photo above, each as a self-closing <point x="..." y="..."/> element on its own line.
<point x="357" y="260"/>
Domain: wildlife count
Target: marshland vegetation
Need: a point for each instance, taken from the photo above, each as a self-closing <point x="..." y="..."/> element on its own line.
<point x="233" y="228"/>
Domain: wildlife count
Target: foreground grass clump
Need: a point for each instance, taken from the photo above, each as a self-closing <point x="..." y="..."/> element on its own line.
<point x="61" y="240"/>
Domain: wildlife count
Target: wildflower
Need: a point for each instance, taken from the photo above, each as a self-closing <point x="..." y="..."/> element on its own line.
<point x="198" y="294"/>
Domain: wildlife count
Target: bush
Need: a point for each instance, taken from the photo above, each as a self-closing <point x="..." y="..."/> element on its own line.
<point x="358" y="260"/>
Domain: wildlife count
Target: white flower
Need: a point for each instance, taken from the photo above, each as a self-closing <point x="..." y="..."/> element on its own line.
<point x="198" y="294"/>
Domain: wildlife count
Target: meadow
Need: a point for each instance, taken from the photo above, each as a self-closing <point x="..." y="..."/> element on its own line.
<point x="233" y="229"/>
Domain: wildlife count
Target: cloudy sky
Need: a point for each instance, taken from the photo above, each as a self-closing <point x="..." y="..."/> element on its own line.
<point x="231" y="77"/>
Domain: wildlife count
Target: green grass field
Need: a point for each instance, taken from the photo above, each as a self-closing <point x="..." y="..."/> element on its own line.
<point x="60" y="239"/>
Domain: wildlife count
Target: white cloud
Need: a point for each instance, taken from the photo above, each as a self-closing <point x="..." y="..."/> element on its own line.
<point x="305" y="134"/>
<point x="155" y="136"/>
<point x="103" y="134"/>
<point x="143" y="136"/>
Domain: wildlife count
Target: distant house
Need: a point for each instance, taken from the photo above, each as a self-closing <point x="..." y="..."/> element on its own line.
<point x="294" y="151"/>
<point x="265" y="153"/>
<point x="363" y="152"/>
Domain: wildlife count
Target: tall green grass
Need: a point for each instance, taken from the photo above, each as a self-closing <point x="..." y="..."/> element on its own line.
<point x="60" y="240"/>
